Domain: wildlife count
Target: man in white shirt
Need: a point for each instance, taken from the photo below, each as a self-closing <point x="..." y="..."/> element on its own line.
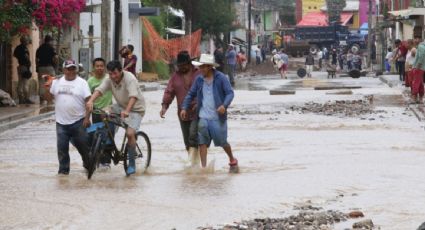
<point x="71" y="93"/>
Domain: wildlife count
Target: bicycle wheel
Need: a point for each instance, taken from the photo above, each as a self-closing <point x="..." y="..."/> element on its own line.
<point x="143" y="149"/>
<point x="143" y="153"/>
<point x="94" y="155"/>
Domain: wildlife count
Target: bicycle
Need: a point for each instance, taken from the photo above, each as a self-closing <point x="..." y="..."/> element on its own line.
<point x="104" y="144"/>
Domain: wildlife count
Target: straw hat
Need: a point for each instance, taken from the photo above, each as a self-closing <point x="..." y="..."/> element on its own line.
<point x="205" y="59"/>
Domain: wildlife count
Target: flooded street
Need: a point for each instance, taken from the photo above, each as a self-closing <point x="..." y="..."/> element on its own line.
<point x="371" y="162"/>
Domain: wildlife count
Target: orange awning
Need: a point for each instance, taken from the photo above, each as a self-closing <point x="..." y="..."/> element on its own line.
<point x="345" y="18"/>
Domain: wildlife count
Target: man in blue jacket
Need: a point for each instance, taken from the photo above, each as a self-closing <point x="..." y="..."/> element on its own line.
<point x="214" y="94"/>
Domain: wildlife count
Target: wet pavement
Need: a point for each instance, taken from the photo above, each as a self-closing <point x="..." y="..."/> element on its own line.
<point x="286" y="159"/>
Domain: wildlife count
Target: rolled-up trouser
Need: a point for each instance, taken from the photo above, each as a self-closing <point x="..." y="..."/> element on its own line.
<point x="417" y="82"/>
<point x="76" y="134"/>
<point x="190" y="133"/>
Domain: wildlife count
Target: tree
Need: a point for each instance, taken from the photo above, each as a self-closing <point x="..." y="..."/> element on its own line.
<point x="215" y="19"/>
<point x="335" y="8"/>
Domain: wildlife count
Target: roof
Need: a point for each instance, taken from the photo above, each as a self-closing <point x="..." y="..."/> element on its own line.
<point x="135" y="9"/>
<point x="350" y="5"/>
<point x="175" y="31"/>
<point x="321" y="19"/>
<point x="408" y="12"/>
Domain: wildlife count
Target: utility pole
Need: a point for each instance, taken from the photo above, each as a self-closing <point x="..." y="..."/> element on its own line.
<point x="117" y="29"/>
<point x="249" y="31"/>
<point x="369" y="36"/>
<point x="105" y="37"/>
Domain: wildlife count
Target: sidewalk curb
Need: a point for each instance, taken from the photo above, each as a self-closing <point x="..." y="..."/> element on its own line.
<point x="382" y="78"/>
<point x="16" y="123"/>
<point x="417" y="111"/>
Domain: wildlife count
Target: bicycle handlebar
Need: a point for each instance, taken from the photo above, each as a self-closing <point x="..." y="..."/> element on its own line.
<point x="114" y="118"/>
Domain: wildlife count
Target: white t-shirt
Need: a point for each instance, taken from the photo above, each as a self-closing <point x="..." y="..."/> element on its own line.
<point x="389" y="55"/>
<point x="70" y="99"/>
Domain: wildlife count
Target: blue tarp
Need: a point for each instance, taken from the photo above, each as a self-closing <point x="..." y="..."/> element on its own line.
<point x="364" y="28"/>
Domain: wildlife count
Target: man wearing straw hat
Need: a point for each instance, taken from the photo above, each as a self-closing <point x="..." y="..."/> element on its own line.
<point x="214" y="94"/>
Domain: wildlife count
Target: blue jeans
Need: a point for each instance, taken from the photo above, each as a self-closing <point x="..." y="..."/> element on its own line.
<point x="387" y="66"/>
<point x="76" y="134"/>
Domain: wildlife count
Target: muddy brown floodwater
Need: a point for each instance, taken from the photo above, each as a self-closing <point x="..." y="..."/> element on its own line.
<point x="286" y="159"/>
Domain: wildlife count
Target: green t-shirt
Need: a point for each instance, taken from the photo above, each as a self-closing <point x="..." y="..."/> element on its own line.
<point x="106" y="98"/>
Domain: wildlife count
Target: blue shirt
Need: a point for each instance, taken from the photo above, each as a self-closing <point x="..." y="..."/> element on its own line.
<point x="231" y="57"/>
<point x="222" y="93"/>
<point x="284" y="58"/>
<point x="208" y="111"/>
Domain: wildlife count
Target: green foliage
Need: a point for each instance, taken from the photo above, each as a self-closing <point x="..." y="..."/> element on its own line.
<point x="158" y="23"/>
<point x="159" y="67"/>
<point x="385" y="10"/>
<point x="15" y="19"/>
<point x="216" y="18"/>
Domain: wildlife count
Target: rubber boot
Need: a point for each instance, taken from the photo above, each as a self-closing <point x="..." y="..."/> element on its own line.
<point x="194" y="156"/>
<point x="131" y="169"/>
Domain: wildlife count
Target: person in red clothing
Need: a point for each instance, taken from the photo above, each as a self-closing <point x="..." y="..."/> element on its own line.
<point x="178" y="86"/>
<point x="130" y="60"/>
<point x="241" y="60"/>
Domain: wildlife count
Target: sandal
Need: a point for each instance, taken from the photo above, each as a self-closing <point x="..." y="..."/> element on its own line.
<point x="234" y="162"/>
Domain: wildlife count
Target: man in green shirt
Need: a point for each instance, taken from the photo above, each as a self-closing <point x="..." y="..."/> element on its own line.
<point x="95" y="79"/>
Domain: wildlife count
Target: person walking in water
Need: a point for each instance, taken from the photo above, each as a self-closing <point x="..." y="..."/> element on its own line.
<point x="71" y="92"/>
<point x="214" y="94"/>
<point x="178" y="87"/>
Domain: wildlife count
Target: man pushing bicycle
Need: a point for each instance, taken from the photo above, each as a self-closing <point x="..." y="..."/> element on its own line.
<point x="130" y="104"/>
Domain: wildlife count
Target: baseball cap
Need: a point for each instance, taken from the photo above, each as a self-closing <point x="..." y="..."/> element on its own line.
<point x="69" y="63"/>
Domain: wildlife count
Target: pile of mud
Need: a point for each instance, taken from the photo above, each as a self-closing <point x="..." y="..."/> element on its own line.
<point x="305" y="220"/>
<point x="347" y="108"/>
